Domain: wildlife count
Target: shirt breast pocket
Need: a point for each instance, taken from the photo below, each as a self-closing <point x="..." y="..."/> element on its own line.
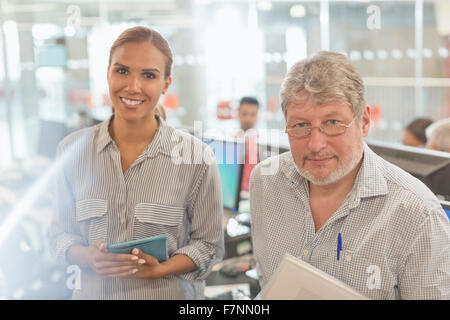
<point x="153" y="219"/>
<point x="92" y="218"/>
<point x="372" y="277"/>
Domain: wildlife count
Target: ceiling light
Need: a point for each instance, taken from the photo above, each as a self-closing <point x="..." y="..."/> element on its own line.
<point x="369" y="55"/>
<point x="298" y="11"/>
<point x="443" y="52"/>
<point x="382" y="54"/>
<point x="355" y="55"/>
<point x="396" y="54"/>
<point x="265" y="5"/>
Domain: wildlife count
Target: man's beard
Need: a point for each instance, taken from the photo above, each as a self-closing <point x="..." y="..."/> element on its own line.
<point x="340" y="172"/>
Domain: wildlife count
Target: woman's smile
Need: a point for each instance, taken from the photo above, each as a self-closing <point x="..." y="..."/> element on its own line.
<point x="131" y="103"/>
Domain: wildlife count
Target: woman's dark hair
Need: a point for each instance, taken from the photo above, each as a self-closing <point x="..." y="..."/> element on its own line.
<point x="417" y="128"/>
<point x="142" y="34"/>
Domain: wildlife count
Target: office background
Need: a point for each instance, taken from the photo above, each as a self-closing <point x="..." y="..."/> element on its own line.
<point x="53" y="60"/>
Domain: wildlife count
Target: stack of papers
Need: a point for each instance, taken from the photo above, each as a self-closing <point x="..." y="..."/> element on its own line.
<point x="295" y="279"/>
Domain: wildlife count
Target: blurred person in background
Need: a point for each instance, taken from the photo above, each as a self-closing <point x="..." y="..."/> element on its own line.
<point x="248" y="117"/>
<point x="248" y="113"/>
<point x="118" y="182"/>
<point x="439" y="135"/>
<point x="414" y="134"/>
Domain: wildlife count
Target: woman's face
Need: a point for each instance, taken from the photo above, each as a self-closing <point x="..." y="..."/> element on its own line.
<point x="411" y="140"/>
<point x="136" y="80"/>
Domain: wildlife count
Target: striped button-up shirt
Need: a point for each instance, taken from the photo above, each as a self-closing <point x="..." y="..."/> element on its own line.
<point x="168" y="190"/>
<point x="395" y="235"/>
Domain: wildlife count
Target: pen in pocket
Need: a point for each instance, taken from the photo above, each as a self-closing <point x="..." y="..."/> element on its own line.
<point x="339" y="245"/>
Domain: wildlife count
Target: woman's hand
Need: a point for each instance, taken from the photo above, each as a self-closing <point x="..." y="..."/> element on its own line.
<point x="110" y="265"/>
<point x="149" y="267"/>
<point x="136" y="265"/>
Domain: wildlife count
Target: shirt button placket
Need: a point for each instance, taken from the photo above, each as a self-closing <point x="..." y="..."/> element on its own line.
<point x="306" y="254"/>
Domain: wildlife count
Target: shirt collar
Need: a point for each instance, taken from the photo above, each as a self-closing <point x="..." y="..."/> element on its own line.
<point x="369" y="181"/>
<point x="162" y="142"/>
<point x="103" y="135"/>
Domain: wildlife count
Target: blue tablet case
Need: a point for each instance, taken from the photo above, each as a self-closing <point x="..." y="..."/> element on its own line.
<point x="155" y="246"/>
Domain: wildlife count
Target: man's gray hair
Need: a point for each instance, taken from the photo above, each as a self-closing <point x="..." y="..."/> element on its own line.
<point x="327" y="77"/>
<point x="438" y="134"/>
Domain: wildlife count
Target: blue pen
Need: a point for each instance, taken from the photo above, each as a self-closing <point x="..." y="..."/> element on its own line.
<point x="339" y="245"/>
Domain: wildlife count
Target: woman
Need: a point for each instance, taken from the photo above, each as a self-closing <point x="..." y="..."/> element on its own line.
<point x="120" y="181"/>
<point x="414" y="134"/>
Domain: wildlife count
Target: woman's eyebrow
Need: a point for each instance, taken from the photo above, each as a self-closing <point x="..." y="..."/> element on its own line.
<point x="120" y="65"/>
<point x="151" y="69"/>
<point x="145" y="70"/>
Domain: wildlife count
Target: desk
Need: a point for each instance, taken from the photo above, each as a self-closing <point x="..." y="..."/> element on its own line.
<point x="218" y="285"/>
<point x="222" y="287"/>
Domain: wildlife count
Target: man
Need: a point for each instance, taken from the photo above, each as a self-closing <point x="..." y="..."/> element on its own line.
<point x="439" y="135"/>
<point x="248" y="113"/>
<point x="248" y="116"/>
<point x="395" y="237"/>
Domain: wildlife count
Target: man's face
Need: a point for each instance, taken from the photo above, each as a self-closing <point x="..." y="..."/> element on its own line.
<point x="320" y="158"/>
<point x="248" y="115"/>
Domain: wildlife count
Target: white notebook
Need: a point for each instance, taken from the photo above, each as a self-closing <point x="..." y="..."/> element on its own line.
<point x="295" y="279"/>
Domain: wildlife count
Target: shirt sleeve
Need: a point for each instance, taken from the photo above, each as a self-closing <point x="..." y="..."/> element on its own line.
<point x="206" y="243"/>
<point x="258" y="243"/>
<point x="426" y="273"/>
<point x="64" y="230"/>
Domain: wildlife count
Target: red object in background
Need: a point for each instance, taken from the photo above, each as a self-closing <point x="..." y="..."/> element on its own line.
<point x="375" y="113"/>
<point x="171" y="101"/>
<point x="106" y="100"/>
<point x="77" y="96"/>
<point x="251" y="160"/>
<point x="224" y="110"/>
<point x="272" y="106"/>
<point x="90" y="101"/>
<point x="81" y="97"/>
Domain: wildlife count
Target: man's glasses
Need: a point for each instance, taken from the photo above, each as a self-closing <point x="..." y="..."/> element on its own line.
<point x="329" y="127"/>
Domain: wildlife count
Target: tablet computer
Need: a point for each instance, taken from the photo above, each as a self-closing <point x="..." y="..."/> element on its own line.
<point x="155" y="246"/>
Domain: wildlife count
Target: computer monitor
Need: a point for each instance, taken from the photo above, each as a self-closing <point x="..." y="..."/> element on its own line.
<point x="446" y="206"/>
<point x="430" y="166"/>
<point x="230" y="161"/>
<point x="266" y="150"/>
<point x="52" y="55"/>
